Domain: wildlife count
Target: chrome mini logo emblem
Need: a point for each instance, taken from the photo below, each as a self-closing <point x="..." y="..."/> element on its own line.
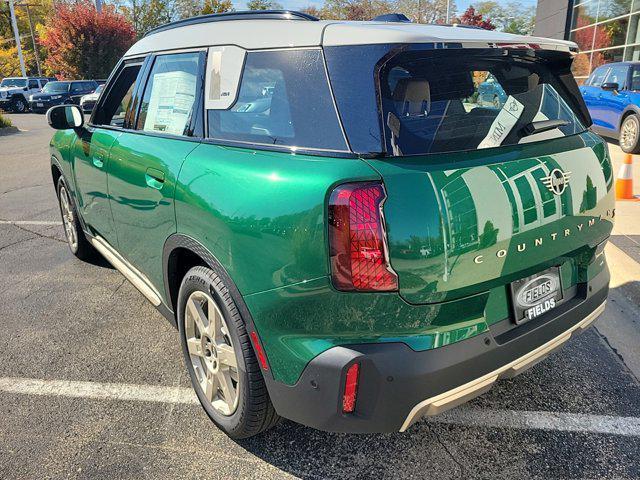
<point x="557" y="181"/>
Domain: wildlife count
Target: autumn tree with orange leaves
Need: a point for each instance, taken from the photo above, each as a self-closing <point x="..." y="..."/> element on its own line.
<point x="82" y="43"/>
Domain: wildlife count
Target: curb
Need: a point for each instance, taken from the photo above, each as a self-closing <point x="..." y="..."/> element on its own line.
<point x="8" y="131"/>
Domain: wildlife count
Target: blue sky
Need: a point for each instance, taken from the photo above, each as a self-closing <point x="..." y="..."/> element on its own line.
<point x="299" y="4"/>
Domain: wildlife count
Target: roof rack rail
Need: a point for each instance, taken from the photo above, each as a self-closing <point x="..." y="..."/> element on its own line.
<point x="241" y="15"/>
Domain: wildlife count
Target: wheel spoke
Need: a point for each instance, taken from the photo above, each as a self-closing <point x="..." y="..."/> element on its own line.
<point x="226" y="355"/>
<point x="214" y="319"/>
<point x="211" y="386"/>
<point x="228" y="392"/>
<point x="195" y="347"/>
<point x="197" y="314"/>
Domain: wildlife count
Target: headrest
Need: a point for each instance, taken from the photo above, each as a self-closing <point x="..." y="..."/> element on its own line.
<point x="414" y="94"/>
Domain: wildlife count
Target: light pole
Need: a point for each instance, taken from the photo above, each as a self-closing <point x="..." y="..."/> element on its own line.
<point x="14" y="24"/>
<point x="448" y="8"/>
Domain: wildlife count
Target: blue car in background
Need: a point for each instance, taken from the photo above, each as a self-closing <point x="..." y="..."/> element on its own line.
<point x="491" y="93"/>
<point x="612" y="95"/>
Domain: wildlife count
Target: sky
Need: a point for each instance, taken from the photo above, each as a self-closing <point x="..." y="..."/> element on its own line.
<point x="299" y="4"/>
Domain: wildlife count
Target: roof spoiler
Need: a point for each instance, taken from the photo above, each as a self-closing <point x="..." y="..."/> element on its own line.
<point x="392" y="17"/>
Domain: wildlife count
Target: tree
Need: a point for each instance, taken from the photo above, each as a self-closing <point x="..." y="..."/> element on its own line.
<point x="313" y="11"/>
<point x="263" y="5"/>
<point x="470" y="17"/>
<point x="82" y="43"/>
<point x="354" y="9"/>
<point x="145" y="15"/>
<point x="217" y="6"/>
<point x="510" y="18"/>
<point x="426" y="11"/>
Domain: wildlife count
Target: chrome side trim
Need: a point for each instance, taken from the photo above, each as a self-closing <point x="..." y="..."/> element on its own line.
<point x="138" y="280"/>
<point x="478" y="386"/>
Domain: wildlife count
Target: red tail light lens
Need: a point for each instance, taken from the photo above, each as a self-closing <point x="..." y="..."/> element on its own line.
<point x="357" y="241"/>
<point x="350" y="389"/>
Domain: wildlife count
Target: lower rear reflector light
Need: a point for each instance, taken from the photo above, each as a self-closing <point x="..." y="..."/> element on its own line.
<point x="357" y="239"/>
<point x="262" y="358"/>
<point x="350" y="389"/>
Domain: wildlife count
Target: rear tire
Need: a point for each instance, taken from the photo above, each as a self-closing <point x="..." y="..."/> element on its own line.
<point x="231" y="390"/>
<point x="630" y="134"/>
<point x="76" y="239"/>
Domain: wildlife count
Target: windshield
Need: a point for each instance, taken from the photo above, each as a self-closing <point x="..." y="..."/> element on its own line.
<point x="436" y="103"/>
<point x="13" y="82"/>
<point x="56" y="87"/>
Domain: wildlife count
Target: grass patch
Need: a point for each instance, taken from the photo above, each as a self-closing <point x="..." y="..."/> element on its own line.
<point x="4" y="122"/>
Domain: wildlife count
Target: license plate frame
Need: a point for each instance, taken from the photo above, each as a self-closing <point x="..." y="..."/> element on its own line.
<point x="39" y="104"/>
<point x="536" y="294"/>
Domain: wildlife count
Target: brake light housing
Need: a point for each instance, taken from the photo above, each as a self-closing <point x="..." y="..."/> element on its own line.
<point x="359" y="254"/>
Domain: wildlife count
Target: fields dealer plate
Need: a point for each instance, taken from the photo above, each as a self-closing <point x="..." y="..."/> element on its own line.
<point x="535" y="295"/>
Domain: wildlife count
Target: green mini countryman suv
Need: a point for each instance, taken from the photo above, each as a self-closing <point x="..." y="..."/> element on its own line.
<point x="343" y="232"/>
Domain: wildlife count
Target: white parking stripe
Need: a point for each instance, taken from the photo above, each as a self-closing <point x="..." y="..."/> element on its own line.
<point x="104" y="391"/>
<point x="557" y="421"/>
<point x="464" y="416"/>
<point x="29" y="222"/>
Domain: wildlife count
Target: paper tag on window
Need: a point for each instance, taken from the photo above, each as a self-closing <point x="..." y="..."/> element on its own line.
<point x="503" y="124"/>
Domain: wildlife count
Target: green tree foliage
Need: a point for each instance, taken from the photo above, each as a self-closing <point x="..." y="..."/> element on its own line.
<point x="425" y="11"/>
<point x="145" y="15"/>
<point x="217" y="6"/>
<point x="512" y="17"/>
<point x="82" y="43"/>
<point x="263" y="5"/>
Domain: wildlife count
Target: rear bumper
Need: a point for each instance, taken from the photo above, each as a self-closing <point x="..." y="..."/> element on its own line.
<point x="398" y="386"/>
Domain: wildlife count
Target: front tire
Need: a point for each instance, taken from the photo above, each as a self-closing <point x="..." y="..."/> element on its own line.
<point x="630" y="134"/>
<point x="217" y="350"/>
<point x="76" y="239"/>
<point x="19" y="105"/>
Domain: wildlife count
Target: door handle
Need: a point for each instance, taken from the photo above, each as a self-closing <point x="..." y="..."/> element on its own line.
<point x="154" y="178"/>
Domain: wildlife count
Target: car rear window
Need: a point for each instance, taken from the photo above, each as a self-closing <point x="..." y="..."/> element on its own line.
<point x="434" y="103"/>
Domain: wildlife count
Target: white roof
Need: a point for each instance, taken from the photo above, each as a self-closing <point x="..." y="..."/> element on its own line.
<point x="260" y="34"/>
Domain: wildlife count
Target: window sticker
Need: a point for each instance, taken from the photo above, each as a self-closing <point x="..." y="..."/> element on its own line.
<point x="224" y="68"/>
<point x="503" y="124"/>
<point x="172" y="98"/>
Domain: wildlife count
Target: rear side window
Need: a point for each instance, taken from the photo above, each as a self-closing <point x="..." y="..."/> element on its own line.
<point x="33" y="84"/>
<point x="170" y="95"/>
<point x="284" y="99"/>
<point x="435" y="103"/>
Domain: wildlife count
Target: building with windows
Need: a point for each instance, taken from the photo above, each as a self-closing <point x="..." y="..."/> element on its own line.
<point x="605" y="30"/>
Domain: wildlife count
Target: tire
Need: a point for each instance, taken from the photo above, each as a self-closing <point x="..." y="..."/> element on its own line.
<point x="630" y="134"/>
<point x="250" y="411"/>
<point x="76" y="239"/>
<point x="19" y="105"/>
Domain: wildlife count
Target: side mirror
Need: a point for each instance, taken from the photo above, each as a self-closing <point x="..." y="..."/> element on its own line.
<point x="65" y="117"/>
<point x="610" y="86"/>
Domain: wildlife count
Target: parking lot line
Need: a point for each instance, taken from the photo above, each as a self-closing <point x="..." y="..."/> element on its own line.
<point x="470" y="417"/>
<point x="557" y="421"/>
<point x="95" y="390"/>
<point x="30" y="222"/>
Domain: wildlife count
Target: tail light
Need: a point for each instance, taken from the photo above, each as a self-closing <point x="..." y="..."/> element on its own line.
<point x="357" y="241"/>
<point x="350" y="389"/>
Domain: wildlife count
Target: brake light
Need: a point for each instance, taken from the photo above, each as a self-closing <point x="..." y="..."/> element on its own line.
<point x="357" y="240"/>
<point x="350" y="389"/>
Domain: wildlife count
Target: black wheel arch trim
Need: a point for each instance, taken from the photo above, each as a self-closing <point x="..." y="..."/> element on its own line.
<point x="629" y="109"/>
<point x="179" y="240"/>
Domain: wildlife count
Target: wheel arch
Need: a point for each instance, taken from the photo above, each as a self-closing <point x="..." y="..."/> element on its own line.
<point x="183" y="247"/>
<point x="630" y="110"/>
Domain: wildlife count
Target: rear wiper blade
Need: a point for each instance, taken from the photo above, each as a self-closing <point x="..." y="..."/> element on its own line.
<point x="542" y="126"/>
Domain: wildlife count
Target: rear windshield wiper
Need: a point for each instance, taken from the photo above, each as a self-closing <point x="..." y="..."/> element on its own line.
<point x="542" y="126"/>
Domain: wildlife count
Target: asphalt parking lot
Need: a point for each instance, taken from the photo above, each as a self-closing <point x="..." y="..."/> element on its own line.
<point x="92" y="383"/>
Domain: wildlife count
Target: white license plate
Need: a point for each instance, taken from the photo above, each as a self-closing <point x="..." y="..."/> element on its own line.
<point x="38" y="104"/>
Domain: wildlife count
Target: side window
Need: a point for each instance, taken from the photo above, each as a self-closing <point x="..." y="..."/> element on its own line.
<point x="618" y="75"/>
<point x="170" y="94"/>
<point x="43" y="82"/>
<point x="635" y="79"/>
<point x="598" y="76"/>
<point x="119" y="93"/>
<point x="284" y="99"/>
<point x="76" y="87"/>
<point x="33" y="84"/>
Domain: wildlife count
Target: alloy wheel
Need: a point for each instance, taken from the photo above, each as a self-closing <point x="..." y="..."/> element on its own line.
<point x="211" y="352"/>
<point x="629" y="134"/>
<point x="20" y="105"/>
<point x="68" y="219"/>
